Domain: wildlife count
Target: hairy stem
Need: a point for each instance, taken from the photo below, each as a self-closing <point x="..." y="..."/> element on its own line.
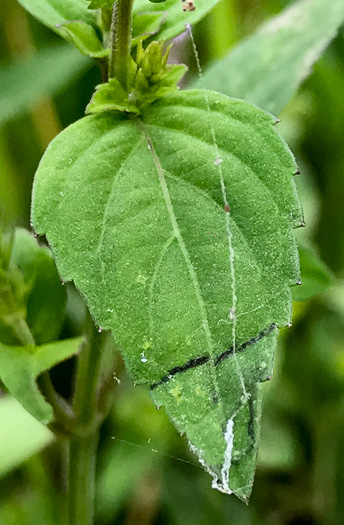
<point x="121" y="29"/>
<point x="81" y="478"/>
<point x="83" y="444"/>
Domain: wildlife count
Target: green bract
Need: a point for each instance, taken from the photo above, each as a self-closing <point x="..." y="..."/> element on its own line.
<point x="150" y="78"/>
<point x="177" y="229"/>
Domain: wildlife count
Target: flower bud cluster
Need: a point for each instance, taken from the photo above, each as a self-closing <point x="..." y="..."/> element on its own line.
<point x="150" y="78"/>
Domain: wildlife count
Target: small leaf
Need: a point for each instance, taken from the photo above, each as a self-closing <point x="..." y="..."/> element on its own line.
<point x="183" y="247"/>
<point x="316" y="277"/>
<point x="55" y="12"/>
<point x="84" y="37"/>
<point x="268" y="67"/>
<point x="176" y="19"/>
<point x="14" y="291"/>
<point x="20" y="367"/>
<point x="47" y="73"/>
<point x="111" y="97"/>
<point x="46" y="301"/>
<point x="24" y="435"/>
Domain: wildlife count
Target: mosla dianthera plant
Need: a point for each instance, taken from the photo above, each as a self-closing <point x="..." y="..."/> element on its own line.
<point x="172" y="211"/>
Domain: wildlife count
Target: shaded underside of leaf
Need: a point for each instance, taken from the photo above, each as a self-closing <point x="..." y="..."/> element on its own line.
<point x="267" y="68"/>
<point x="144" y="215"/>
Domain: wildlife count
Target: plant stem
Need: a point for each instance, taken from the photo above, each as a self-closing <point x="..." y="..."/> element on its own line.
<point x="88" y="376"/>
<point x="22" y="332"/>
<point x="62" y="411"/>
<point x="81" y="477"/>
<point x="121" y="28"/>
<point x="83" y="444"/>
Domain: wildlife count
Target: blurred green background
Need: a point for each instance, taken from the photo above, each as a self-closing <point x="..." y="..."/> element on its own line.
<point x="145" y="474"/>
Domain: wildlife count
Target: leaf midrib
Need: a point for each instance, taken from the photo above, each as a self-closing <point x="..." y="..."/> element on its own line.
<point x="191" y="270"/>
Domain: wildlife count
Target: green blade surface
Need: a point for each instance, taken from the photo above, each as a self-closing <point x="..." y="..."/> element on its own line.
<point x="177" y="229"/>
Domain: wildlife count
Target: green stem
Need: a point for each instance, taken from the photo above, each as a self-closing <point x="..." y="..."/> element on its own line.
<point x="83" y="445"/>
<point x="81" y="476"/>
<point x="23" y="332"/>
<point x="121" y="29"/>
<point x="88" y="376"/>
<point x="62" y="411"/>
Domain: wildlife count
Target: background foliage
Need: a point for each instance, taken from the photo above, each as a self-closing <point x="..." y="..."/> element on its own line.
<point x="142" y="474"/>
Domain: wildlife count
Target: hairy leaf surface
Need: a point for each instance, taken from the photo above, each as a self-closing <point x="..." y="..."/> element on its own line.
<point x="176" y="18"/>
<point x="267" y="68"/>
<point x="177" y="230"/>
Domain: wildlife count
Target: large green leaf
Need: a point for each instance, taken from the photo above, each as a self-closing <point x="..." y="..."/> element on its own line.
<point x="176" y="18"/>
<point x="183" y="248"/>
<point x="25" y="82"/>
<point x="54" y="12"/>
<point x="267" y="68"/>
<point x="20" y="366"/>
